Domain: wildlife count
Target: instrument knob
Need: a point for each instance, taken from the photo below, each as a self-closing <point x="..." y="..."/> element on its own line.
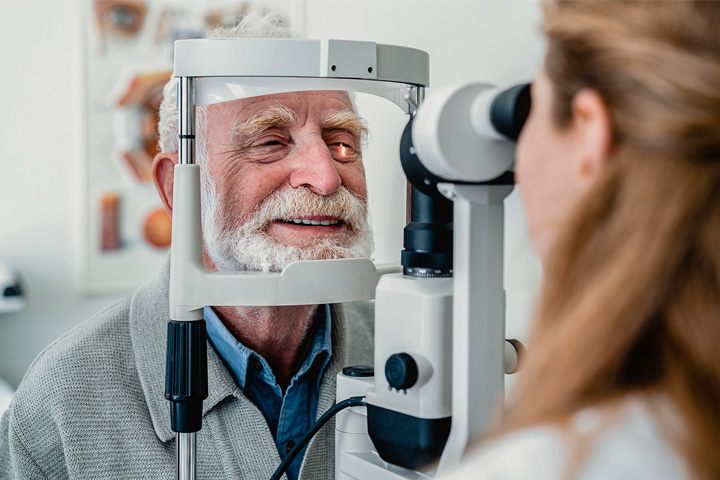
<point x="401" y="371"/>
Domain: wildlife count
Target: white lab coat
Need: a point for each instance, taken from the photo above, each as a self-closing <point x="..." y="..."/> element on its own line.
<point x="624" y="442"/>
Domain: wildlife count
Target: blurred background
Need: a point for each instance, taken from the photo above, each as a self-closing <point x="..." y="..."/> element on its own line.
<point x="80" y="223"/>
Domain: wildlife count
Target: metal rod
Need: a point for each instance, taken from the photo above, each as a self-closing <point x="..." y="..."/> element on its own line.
<point x="186" y="462"/>
<point x="186" y="447"/>
<point x="420" y="94"/>
<point x="186" y="120"/>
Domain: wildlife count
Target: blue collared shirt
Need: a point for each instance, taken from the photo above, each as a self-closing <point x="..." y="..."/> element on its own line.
<point x="288" y="416"/>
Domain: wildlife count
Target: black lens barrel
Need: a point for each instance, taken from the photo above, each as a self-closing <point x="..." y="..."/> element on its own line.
<point x="428" y="238"/>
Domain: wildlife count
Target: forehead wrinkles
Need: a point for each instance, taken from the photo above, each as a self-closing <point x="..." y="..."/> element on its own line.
<point x="271" y="117"/>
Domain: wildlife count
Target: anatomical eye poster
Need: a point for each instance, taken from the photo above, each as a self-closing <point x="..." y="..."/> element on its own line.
<point x="127" y="59"/>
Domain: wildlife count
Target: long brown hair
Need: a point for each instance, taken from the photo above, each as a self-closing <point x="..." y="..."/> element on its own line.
<point x="630" y="302"/>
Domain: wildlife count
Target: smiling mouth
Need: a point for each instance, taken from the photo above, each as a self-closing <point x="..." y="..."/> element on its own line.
<point x="309" y="222"/>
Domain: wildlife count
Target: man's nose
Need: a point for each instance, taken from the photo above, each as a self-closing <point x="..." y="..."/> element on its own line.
<point x="315" y="168"/>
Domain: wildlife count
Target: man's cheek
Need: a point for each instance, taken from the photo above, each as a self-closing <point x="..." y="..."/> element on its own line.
<point x="265" y="179"/>
<point x="358" y="186"/>
<point x="233" y="213"/>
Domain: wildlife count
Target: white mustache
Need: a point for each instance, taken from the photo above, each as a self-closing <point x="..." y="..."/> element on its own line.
<point x="302" y="202"/>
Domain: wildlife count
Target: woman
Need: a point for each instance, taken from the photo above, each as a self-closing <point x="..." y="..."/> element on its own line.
<point x="619" y="169"/>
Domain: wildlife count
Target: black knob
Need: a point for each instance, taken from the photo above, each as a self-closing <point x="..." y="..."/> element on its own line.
<point x="358" y="371"/>
<point x="401" y="371"/>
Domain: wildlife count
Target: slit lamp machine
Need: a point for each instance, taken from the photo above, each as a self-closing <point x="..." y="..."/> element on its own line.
<point x="440" y="347"/>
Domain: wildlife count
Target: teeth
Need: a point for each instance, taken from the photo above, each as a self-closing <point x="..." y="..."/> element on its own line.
<point x="299" y="221"/>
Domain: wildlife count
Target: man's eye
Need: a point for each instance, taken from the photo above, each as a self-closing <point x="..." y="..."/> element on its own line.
<point x="342" y="149"/>
<point x="268" y="142"/>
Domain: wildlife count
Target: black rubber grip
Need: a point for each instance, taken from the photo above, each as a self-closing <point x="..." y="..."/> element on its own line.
<point x="186" y="383"/>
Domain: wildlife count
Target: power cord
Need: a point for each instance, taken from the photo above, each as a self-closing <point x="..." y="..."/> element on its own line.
<point x="332" y="411"/>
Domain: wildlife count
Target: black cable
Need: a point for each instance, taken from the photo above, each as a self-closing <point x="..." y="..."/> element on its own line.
<point x="332" y="411"/>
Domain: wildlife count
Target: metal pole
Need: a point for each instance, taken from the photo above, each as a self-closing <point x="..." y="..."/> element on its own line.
<point x="186" y="449"/>
<point x="186" y="340"/>
<point x="186" y="120"/>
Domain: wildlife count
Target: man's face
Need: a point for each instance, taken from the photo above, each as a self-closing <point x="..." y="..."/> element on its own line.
<point x="289" y="181"/>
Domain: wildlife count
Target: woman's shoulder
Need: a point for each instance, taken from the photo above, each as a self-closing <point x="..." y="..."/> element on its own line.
<point x="627" y="440"/>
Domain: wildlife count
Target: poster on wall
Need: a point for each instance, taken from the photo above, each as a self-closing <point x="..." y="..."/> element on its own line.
<point x="127" y="50"/>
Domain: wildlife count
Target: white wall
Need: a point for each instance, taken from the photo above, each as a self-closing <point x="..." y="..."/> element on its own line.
<point x="496" y="41"/>
<point x="40" y="139"/>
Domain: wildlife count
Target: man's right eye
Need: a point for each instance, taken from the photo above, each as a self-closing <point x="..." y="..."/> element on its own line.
<point x="268" y="142"/>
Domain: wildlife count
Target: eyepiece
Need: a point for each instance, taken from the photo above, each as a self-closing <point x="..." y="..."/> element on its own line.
<point x="510" y="109"/>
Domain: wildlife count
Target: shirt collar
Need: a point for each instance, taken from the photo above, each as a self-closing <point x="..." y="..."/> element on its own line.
<point x="236" y="356"/>
<point x="321" y="343"/>
<point x="227" y="347"/>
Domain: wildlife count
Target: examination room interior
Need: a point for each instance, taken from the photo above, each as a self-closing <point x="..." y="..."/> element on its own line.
<point x="65" y="134"/>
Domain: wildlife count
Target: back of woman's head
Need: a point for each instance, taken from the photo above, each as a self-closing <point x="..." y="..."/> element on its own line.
<point x="631" y="296"/>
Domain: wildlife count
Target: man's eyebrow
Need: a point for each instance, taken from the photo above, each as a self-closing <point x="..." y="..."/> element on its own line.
<point x="272" y="117"/>
<point x="347" y="120"/>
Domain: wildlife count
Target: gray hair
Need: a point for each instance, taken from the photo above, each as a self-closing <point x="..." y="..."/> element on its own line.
<point x="256" y="24"/>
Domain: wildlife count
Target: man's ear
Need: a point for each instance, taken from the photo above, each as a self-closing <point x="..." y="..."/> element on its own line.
<point x="593" y="127"/>
<point x="163" y="172"/>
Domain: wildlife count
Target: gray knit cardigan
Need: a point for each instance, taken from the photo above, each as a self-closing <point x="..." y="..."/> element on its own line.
<point x="92" y="404"/>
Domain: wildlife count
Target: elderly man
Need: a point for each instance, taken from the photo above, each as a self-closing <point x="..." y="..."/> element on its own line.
<point x="282" y="180"/>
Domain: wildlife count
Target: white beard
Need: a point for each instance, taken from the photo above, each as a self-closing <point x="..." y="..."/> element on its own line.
<point x="248" y="246"/>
